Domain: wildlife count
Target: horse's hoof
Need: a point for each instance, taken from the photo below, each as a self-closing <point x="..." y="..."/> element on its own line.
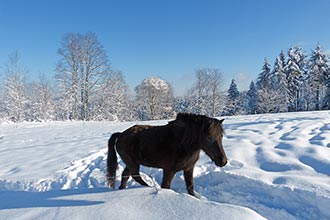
<point x="122" y="187"/>
<point x="111" y="184"/>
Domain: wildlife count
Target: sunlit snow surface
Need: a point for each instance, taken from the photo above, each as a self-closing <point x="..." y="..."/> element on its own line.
<point x="279" y="167"/>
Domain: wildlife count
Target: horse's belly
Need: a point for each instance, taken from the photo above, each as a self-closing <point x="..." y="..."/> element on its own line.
<point x="170" y="162"/>
<point x="164" y="162"/>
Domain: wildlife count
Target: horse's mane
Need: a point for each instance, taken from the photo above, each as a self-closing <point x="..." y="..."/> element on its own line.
<point x="195" y="126"/>
<point x="188" y="117"/>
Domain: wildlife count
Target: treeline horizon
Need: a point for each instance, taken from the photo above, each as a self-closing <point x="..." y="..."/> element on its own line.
<point x="86" y="88"/>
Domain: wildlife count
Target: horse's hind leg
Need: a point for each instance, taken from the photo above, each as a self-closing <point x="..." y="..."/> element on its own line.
<point x="135" y="171"/>
<point x="188" y="177"/>
<point x="124" y="178"/>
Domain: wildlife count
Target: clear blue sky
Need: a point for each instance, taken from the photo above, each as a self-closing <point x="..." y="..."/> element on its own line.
<point x="168" y="38"/>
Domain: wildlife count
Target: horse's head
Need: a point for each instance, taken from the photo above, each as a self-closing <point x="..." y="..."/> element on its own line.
<point x="212" y="141"/>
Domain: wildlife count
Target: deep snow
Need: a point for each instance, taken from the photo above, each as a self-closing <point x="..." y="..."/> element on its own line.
<point x="278" y="167"/>
<point x="99" y="203"/>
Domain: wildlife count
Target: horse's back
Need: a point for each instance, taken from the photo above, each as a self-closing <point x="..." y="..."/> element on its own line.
<point x="129" y="139"/>
<point x="147" y="144"/>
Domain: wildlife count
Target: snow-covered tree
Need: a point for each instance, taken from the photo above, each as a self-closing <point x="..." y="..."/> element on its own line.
<point x="216" y="95"/>
<point x="282" y="59"/>
<point x="326" y="99"/>
<point x="40" y="104"/>
<point x="207" y="96"/>
<point x="113" y="102"/>
<point x="294" y="71"/>
<point x="266" y="95"/>
<point x="2" y="104"/>
<point x="14" y="97"/>
<point x="67" y="77"/>
<point x="232" y="106"/>
<point x="252" y="99"/>
<point x="81" y="72"/>
<point x="244" y="103"/>
<point x="267" y="101"/>
<point x="181" y="104"/>
<point x="154" y="99"/>
<point x="198" y="94"/>
<point x="318" y="73"/>
<point x="301" y="61"/>
<point x="279" y="72"/>
<point x="280" y="84"/>
<point x="265" y="77"/>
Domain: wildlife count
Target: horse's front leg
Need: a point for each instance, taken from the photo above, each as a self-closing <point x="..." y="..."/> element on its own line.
<point x="124" y="178"/>
<point x="167" y="178"/>
<point x="188" y="177"/>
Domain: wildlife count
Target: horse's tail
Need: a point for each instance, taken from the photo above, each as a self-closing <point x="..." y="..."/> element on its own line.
<point x="112" y="162"/>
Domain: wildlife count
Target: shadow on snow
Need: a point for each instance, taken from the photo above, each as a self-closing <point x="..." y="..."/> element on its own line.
<point x="25" y="199"/>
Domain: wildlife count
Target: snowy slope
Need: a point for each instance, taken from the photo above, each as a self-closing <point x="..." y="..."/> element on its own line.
<point x="278" y="167"/>
<point x="137" y="203"/>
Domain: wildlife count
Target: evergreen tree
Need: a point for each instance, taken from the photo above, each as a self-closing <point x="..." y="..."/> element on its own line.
<point x="233" y="92"/>
<point x="301" y="61"/>
<point x="264" y="78"/>
<point x="232" y="104"/>
<point x="318" y="70"/>
<point x="294" y="77"/>
<point x="282" y="59"/>
<point x="2" y="104"/>
<point x="280" y="84"/>
<point x="266" y="94"/>
<point x="243" y="103"/>
<point x="251" y="96"/>
<point x="326" y="100"/>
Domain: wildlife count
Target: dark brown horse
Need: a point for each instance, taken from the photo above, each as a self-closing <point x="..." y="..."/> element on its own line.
<point x="172" y="147"/>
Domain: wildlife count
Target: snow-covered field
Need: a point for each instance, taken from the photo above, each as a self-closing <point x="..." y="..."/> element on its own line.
<point x="279" y="167"/>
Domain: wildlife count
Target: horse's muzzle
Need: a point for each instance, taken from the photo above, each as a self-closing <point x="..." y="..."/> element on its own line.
<point x="221" y="162"/>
